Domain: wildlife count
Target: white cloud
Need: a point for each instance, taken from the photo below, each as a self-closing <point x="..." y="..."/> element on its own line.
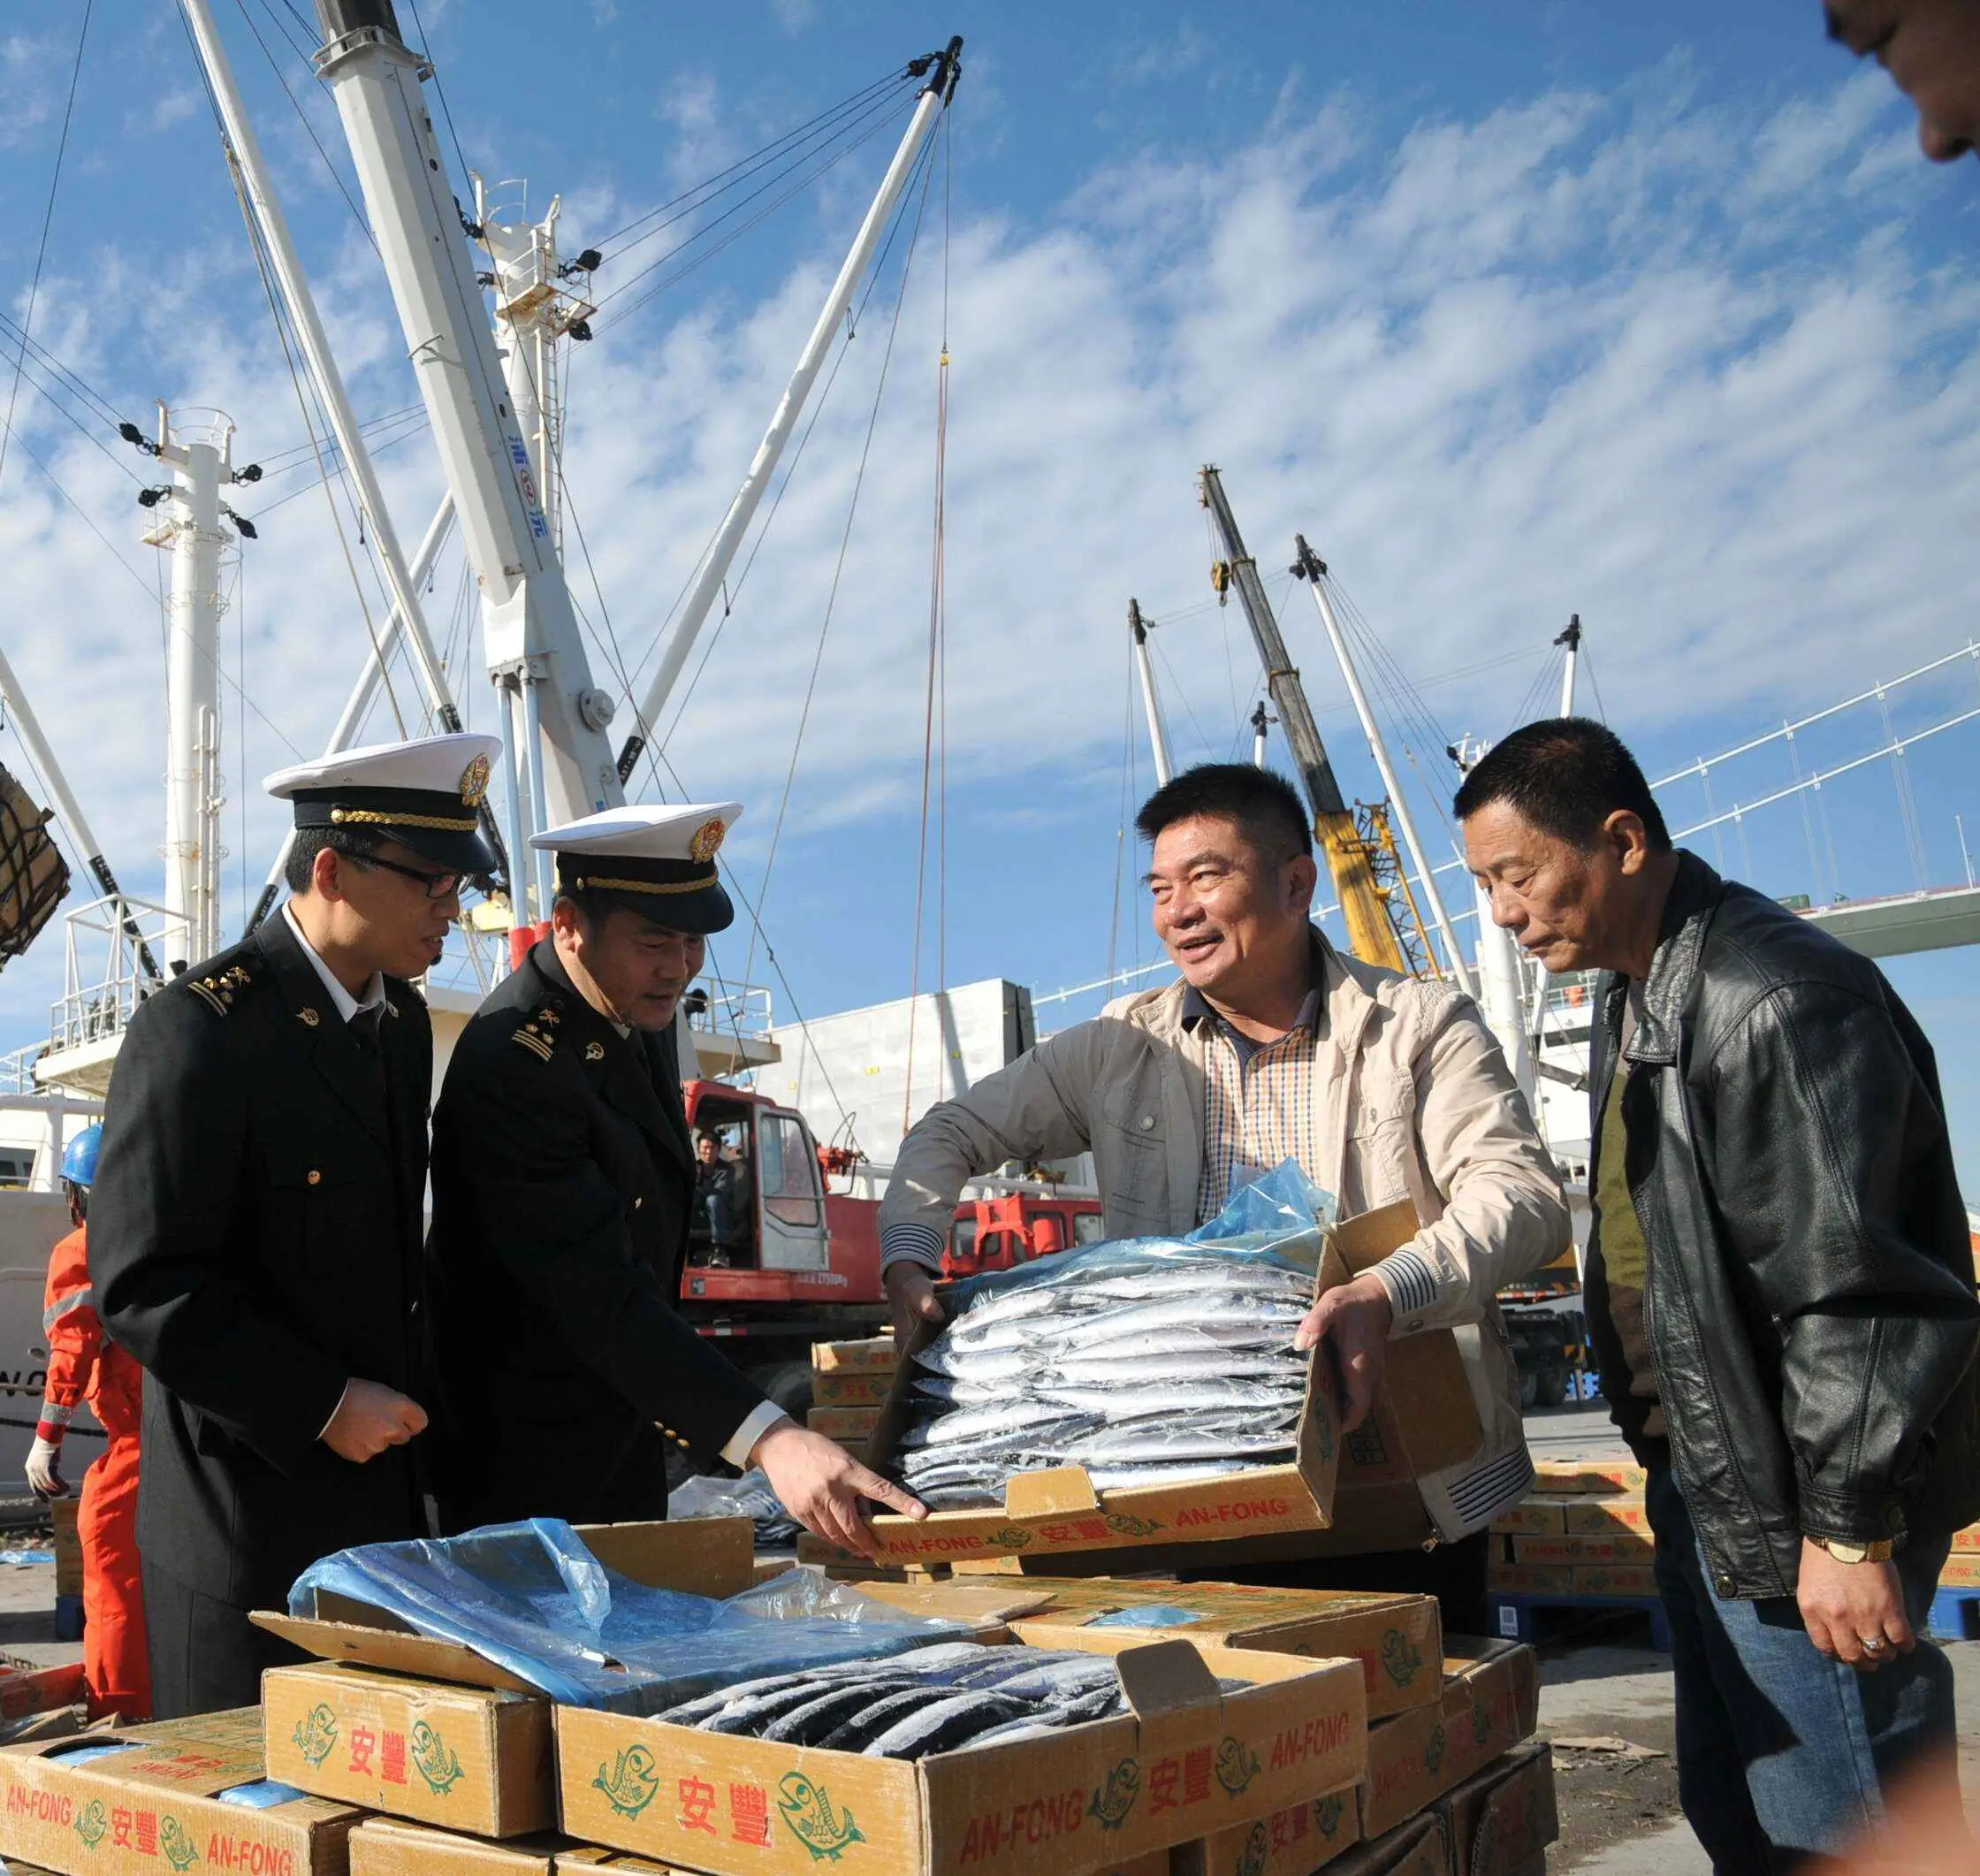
<point x="1542" y="361"/>
<point x="794" y="15"/>
<point x="30" y="72"/>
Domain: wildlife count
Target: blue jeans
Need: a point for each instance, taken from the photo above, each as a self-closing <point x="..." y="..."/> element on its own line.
<point x="1783" y="1753"/>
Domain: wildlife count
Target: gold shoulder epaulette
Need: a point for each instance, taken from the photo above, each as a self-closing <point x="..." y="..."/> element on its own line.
<point x="539" y="1034"/>
<point x="218" y="992"/>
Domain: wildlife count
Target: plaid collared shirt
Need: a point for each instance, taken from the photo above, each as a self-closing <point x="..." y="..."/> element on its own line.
<point x="1258" y="1097"/>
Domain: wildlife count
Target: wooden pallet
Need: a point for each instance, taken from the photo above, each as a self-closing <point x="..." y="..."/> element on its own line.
<point x="1956" y="1614"/>
<point x="1520" y="1618"/>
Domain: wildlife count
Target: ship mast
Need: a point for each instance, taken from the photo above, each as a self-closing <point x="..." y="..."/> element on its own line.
<point x="200" y="458"/>
<point x="1158" y="731"/>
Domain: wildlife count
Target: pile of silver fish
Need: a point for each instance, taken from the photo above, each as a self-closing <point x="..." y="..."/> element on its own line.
<point x="1182" y="1371"/>
<point x="931" y="1699"/>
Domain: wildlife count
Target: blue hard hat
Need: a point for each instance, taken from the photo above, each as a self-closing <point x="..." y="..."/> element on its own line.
<point x="79" y="1163"/>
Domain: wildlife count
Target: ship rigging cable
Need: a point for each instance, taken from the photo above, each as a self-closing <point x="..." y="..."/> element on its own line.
<point x="927" y="163"/>
<point x="48" y="218"/>
<point x="934" y="724"/>
<point x="733" y="590"/>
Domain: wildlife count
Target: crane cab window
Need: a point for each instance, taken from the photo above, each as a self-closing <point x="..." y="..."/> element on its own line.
<point x="790" y="1170"/>
<point x="1088" y="1227"/>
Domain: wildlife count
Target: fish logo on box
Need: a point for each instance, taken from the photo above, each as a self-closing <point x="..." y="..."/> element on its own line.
<point x="315" y="1732"/>
<point x="179" y="1850"/>
<point x="434" y="1763"/>
<point x="1400" y="1657"/>
<point x="1328" y="1812"/>
<point x="1481" y="1725"/>
<point x="94" y="1825"/>
<point x="1013" y="1537"/>
<point x="807" y="1809"/>
<point x="1251" y="1860"/>
<point x="631" y="1786"/>
<point x="1116" y="1797"/>
<point x="1433" y="1753"/>
<point x="1235" y="1766"/>
<point x="1124" y="1524"/>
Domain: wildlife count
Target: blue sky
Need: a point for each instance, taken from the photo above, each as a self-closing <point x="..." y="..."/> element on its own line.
<point x="1651" y="313"/>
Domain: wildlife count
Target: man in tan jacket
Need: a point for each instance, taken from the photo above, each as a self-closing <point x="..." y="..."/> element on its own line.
<point x="1273" y="1045"/>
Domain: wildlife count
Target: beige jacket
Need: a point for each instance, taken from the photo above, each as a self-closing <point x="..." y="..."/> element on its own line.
<point x="1416" y="1102"/>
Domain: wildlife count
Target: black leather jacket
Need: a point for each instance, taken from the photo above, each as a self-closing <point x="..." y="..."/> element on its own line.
<point x="1810" y="1309"/>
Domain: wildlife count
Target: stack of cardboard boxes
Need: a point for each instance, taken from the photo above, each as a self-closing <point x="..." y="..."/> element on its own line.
<point x="1584" y="1535"/>
<point x="394" y="1754"/>
<point x="849" y="1380"/>
<point x="1453" y="1783"/>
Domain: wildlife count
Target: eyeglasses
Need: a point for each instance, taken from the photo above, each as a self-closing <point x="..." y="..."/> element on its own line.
<point x="438" y="885"/>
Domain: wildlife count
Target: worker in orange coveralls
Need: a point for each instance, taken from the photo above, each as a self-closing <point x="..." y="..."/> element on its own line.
<point x="84" y="1364"/>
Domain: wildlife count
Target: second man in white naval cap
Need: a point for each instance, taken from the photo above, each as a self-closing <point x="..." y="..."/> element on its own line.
<point x="256" y="1229"/>
<point x="563" y="1189"/>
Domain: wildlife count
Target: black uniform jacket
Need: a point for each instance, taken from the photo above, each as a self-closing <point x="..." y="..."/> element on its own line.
<point x="563" y="1186"/>
<point x="255" y="1239"/>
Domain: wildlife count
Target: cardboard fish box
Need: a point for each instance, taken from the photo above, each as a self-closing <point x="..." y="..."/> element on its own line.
<point x="1538" y="1517"/>
<point x="472" y="1759"/>
<point x="1529" y="1579"/>
<point x="1398" y="1639"/>
<point x="1967" y="1542"/>
<point x="873" y="1353"/>
<point x="1421" y="1847"/>
<point x="713" y="1557"/>
<point x="387" y="1846"/>
<point x="1423" y="1420"/>
<point x="843" y="1423"/>
<point x="1501" y="1820"/>
<point x="1581" y="1475"/>
<point x="1962" y="1572"/>
<point x="76" y="1809"/>
<point x="68" y="1546"/>
<point x="1614" y="1579"/>
<point x="1185" y="1762"/>
<point x="1492" y="1702"/>
<point x="1618" y="1547"/>
<point x="24" y="1690"/>
<point x="1606" y="1517"/>
<point x="1294" y="1842"/>
<point x="850" y="1387"/>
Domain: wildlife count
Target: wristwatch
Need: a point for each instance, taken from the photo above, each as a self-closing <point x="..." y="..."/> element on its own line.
<point x="1881" y="1552"/>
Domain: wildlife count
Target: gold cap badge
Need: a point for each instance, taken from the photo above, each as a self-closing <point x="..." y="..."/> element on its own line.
<point x="474" y="783"/>
<point x="707" y="841"/>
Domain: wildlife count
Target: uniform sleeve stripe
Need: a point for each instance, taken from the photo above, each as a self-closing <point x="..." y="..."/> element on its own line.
<point x="1489" y="1490"/>
<point x="909" y="1241"/>
<point x="1410" y="1281"/>
<point x="56" y="1415"/>
<point x="82" y="1299"/>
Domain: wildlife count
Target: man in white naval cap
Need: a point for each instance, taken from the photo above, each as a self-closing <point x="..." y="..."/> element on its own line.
<point x="256" y="1218"/>
<point x="563" y="1188"/>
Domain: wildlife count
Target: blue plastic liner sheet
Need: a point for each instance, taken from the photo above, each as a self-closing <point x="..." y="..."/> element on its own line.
<point x="533" y="1599"/>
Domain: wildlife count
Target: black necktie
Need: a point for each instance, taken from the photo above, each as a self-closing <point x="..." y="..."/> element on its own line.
<point x="363" y="1027"/>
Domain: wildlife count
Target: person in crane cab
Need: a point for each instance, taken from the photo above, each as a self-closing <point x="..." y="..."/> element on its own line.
<point x="1273" y="1045"/>
<point x="83" y="1364"/>
<point x="256" y="1230"/>
<point x="564" y="1185"/>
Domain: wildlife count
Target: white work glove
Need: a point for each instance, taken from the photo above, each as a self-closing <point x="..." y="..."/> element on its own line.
<point x="44" y="1462"/>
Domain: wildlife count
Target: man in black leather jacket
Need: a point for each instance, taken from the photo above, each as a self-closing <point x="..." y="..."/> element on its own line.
<point x="1780" y="1286"/>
